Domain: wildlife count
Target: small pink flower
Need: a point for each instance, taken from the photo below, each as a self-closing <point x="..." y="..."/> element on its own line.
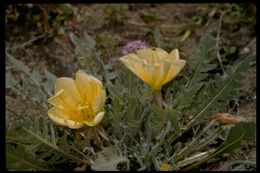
<point x="133" y="45"/>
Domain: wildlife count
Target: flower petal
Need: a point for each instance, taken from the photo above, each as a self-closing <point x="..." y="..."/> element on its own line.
<point x="135" y="65"/>
<point x="99" y="101"/>
<point x="61" y="118"/>
<point x="156" y="75"/>
<point x="152" y="55"/>
<point x="174" y="69"/>
<point x="145" y="54"/>
<point x="174" y="55"/>
<point x="59" y="101"/>
<point x="96" y="120"/>
<point x="71" y="94"/>
<point x="162" y="54"/>
<point x="63" y="112"/>
<point x="89" y="86"/>
<point x="57" y="98"/>
<point x="160" y="73"/>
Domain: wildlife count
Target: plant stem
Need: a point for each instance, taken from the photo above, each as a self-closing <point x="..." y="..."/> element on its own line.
<point x="96" y="137"/>
<point x="130" y="85"/>
<point x="191" y="146"/>
<point x="157" y="95"/>
<point x="217" y="43"/>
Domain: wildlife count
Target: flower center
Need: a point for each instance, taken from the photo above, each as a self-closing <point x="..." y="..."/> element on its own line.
<point x="85" y="112"/>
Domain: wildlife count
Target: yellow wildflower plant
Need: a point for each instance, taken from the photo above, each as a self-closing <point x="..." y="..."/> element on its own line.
<point x="155" y="66"/>
<point x="77" y="102"/>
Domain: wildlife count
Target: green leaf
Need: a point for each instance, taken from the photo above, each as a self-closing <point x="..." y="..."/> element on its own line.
<point x="185" y="99"/>
<point x="18" y="160"/>
<point x="157" y="36"/>
<point x="9" y="80"/>
<point x="108" y="66"/>
<point x="222" y="90"/>
<point x="83" y="56"/>
<point x="77" y="42"/>
<point x="201" y="60"/>
<point x="173" y="116"/>
<point x="48" y="85"/>
<point x="133" y="103"/>
<point x="90" y="41"/>
<point x="109" y="160"/>
<point x="35" y="76"/>
<point x="116" y="108"/>
<point x="130" y="118"/>
<point x="158" y="119"/>
<point x="115" y="91"/>
<point x="25" y="87"/>
<point x="18" y="64"/>
<point x="40" y="142"/>
<point x="241" y="131"/>
<point x="112" y="75"/>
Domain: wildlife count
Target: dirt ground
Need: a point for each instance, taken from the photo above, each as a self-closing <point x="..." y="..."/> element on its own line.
<point x="113" y="25"/>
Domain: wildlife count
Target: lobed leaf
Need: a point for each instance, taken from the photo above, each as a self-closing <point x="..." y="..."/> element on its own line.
<point x="109" y="159"/>
<point x="238" y="133"/>
<point x="18" y="64"/>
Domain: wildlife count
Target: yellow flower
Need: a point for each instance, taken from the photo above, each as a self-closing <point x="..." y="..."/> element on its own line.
<point x="77" y="102"/>
<point x="165" y="167"/>
<point x="154" y="65"/>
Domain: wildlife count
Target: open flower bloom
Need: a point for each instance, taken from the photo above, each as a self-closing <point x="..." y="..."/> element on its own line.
<point x="77" y="102"/>
<point x="154" y="65"/>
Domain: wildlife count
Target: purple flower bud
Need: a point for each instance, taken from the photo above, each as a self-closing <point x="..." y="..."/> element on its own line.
<point x="133" y="45"/>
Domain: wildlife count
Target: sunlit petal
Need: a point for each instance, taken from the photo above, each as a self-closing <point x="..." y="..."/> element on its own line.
<point x="96" y="120"/>
<point x="60" y="118"/>
<point x="99" y="101"/>
<point x="174" y="55"/>
<point x="145" y="54"/>
<point x="155" y="73"/>
<point x="174" y="69"/>
<point x="88" y="86"/>
<point x="57" y="98"/>
<point x="135" y="65"/>
<point x="71" y="94"/>
<point x="161" y="54"/>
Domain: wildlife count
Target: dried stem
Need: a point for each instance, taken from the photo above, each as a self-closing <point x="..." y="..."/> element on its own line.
<point x="192" y="144"/>
<point x="217" y="42"/>
<point x="29" y="42"/>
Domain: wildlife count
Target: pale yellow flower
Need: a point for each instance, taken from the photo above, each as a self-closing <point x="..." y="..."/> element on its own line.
<point x="77" y="102"/>
<point x="154" y="65"/>
<point x="165" y="167"/>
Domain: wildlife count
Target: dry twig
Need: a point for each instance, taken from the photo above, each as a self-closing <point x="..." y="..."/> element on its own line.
<point x="27" y="42"/>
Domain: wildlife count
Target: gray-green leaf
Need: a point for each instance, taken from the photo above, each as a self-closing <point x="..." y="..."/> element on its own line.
<point x="109" y="159"/>
<point x="19" y="64"/>
<point x="173" y="116"/>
